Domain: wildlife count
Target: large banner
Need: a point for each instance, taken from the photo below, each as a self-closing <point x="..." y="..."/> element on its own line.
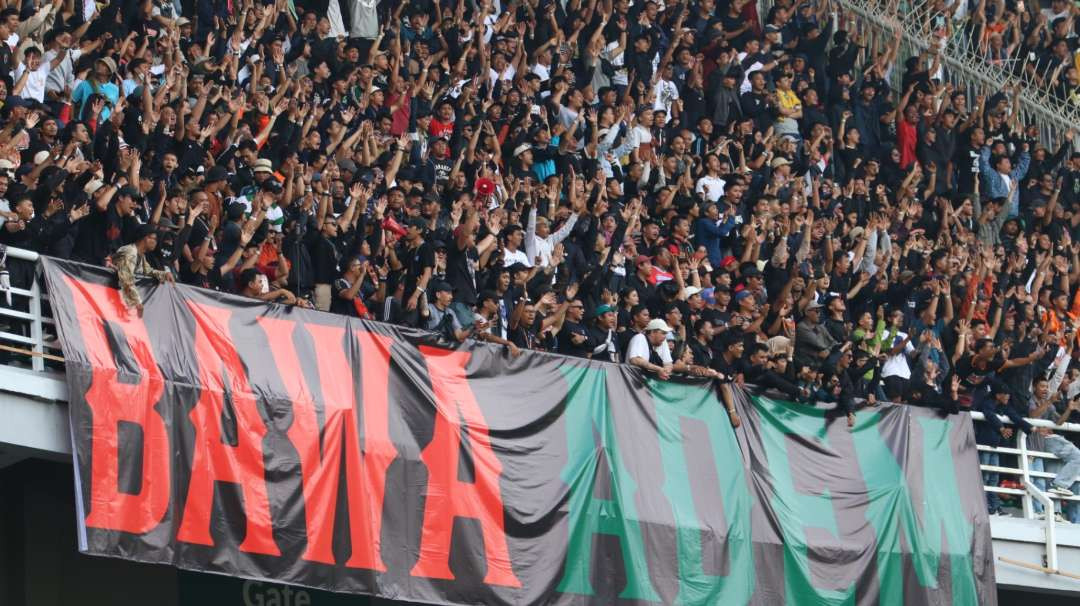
<point x="220" y="434"/>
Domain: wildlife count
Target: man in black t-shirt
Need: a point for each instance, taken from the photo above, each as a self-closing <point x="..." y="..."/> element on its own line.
<point x="463" y="259"/>
<point x="729" y="363"/>
<point x="345" y="298"/>
<point x="324" y="259"/>
<point x="701" y="344"/>
<point x="573" y="336"/>
<point x="418" y="257"/>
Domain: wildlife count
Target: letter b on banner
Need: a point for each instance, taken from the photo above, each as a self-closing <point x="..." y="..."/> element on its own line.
<point x="111" y="402"/>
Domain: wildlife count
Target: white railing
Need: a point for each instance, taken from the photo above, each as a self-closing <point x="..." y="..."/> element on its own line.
<point x="1024" y="473"/>
<point x="27" y="332"/>
<point x="1026" y="476"/>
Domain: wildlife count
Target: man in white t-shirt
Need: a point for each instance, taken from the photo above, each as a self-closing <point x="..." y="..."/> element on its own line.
<point x="642" y="133"/>
<point x="513" y="241"/>
<point x="543" y="65"/>
<point x="710" y="187"/>
<point x="501" y="69"/>
<point x="30" y="75"/>
<point x="895" y="372"/>
<point x="665" y="92"/>
<point x="648" y="350"/>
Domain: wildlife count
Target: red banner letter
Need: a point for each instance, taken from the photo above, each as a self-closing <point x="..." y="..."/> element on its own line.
<point x="365" y="476"/>
<point x="448" y="497"/>
<point x="215" y="460"/>
<point x="111" y="402"/>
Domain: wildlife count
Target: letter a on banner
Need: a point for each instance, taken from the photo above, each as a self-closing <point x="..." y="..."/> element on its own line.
<point x="221" y="371"/>
<point x="320" y="449"/>
<point x="447" y="496"/>
<point x="112" y="402"/>
<point x="586" y="408"/>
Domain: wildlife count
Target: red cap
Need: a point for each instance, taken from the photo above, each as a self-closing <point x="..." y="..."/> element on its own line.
<point x="726" y="261"/>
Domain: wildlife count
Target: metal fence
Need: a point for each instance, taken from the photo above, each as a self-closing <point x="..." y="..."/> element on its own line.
<point x="964" y="63"/>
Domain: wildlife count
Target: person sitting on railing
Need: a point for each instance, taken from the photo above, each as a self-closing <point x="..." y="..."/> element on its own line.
<point x="1069" y="455"/>
<point x="1045" y="405"/>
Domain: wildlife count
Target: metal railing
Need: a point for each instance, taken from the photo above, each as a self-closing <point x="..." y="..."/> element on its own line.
<point x="1028" y="492"/>
<point x="1024" y="472"/>
<point x="27" y="332"/>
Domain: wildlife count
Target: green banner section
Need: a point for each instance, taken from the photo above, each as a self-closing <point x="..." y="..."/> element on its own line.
<point x="677" y="404"/>
<point x="905" y="531"/>
<point x="590" y="440"/>
<point x="796" y="511"/>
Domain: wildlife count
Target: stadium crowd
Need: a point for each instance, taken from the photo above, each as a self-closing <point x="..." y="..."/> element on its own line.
<point x="1035" y="42"/>
<point x="688" y="187"/>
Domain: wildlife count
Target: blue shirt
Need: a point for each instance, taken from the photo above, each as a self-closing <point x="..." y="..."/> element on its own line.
<point x="81" y="96"/>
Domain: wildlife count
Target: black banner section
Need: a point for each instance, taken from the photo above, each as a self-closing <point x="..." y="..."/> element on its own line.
<point x="281" y="445"/>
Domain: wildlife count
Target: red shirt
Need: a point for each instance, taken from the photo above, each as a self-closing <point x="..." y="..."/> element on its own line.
<point x="438" y="129"/>
<point x="906" y="137"/>
<point x="400" y="118"/>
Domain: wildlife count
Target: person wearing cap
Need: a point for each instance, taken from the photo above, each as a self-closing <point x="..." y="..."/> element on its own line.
<point x="418" y="258"/>
<point x="439" y="318"/>
<point x="325" y="248"/>
<point x="641" y="279"/>
<point x="130" y="260"/>
<point x="261" y="170"/>
<point x="813" y="343"/>
<point x="603" y="334"/>
<point x="98" y="85"/>
<point x="215" y="187"/>
<point x="754" y="281"/>
<point x="649" y="350"/>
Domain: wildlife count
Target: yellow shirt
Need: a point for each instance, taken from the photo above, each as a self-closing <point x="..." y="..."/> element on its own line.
<point x="787" y="99"/>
